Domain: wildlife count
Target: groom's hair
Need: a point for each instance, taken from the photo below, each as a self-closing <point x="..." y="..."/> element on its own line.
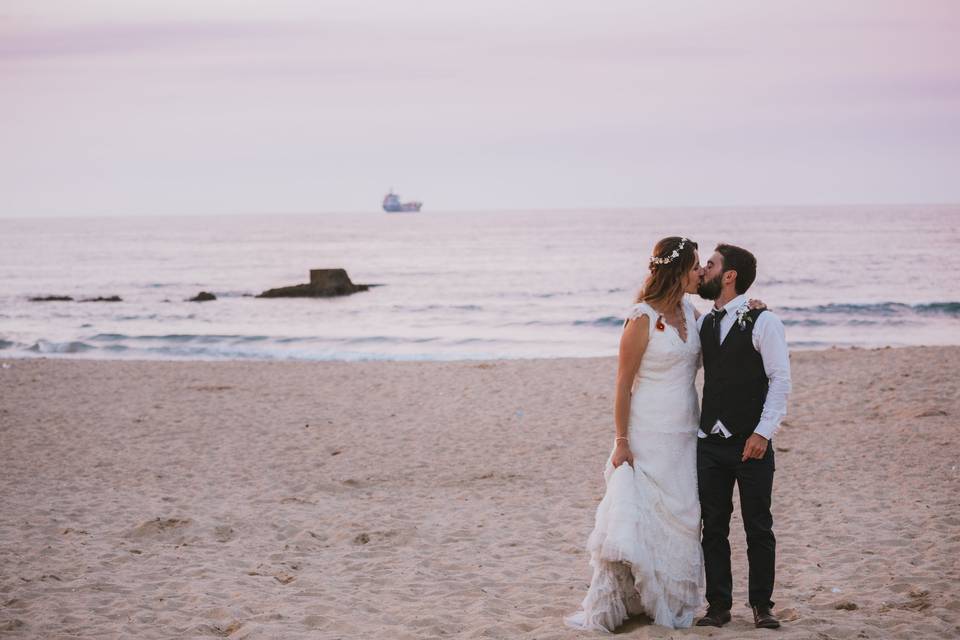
<point x="741" y="261"/>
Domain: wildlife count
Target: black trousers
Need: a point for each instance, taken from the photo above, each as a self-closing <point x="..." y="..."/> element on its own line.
<point x="718" y="468"/>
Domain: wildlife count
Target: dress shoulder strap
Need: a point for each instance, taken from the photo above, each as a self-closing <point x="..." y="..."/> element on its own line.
<point x="641" y="309"/>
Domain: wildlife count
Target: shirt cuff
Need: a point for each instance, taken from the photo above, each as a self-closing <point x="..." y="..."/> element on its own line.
<point x="766" y="429"/>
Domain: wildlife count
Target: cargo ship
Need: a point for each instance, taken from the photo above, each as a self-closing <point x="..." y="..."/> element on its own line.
<point x="392" y="204"/>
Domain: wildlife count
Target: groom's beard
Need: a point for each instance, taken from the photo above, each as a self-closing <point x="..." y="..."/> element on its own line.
<point x="710" y="289"/>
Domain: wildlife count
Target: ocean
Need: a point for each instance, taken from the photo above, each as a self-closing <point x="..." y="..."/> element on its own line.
<point x="479" y="285"/>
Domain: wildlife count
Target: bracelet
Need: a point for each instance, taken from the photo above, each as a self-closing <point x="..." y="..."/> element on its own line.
<point x="621" y="438"/>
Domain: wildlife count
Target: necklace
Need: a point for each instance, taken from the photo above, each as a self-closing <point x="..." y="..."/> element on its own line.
<point x="683" y="322"/>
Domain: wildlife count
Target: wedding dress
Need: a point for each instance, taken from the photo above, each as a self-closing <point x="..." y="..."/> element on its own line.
<point x="645" y="545"/>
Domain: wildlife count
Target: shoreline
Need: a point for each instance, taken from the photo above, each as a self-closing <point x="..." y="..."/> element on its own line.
<point x="260" y="499"/>
<point x="79" y="357"/>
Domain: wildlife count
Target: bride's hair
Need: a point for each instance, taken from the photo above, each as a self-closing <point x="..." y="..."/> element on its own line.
<point x="665" y="282"/>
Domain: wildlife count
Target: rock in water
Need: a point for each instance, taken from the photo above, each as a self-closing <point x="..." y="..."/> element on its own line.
<point x="324" y="283"/>
<point x="203" y="296"/>
<point x="102" y="299"/>
<point x="335" y="280"/>
<point x="51" y="299"/>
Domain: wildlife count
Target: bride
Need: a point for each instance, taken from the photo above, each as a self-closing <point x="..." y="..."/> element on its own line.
<point x="645" y="546"/>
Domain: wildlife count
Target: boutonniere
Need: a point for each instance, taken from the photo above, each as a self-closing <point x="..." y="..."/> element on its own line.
<point x="742" y="317"/>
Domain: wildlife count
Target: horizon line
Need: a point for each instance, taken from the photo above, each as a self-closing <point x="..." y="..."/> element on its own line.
<point x="371" y="211"/>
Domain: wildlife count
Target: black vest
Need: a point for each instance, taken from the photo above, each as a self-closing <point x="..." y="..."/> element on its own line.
<point x="734" y="381"/>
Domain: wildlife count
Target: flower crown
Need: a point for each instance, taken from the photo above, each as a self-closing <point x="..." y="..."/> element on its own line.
<point x="673" y="256"/>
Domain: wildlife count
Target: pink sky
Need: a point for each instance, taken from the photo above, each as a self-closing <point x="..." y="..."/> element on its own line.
<point x="294" y="106"/>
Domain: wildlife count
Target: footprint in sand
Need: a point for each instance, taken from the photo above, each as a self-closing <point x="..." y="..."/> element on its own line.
<point x="157" y="526"/>
<point x="280" y="576"/>
<point x="788" y="615"/>
<point x="12" y="625"/>
<point x="72" y="530"/>
<point x="224" y="533"/>
<point x="216" y="630"/>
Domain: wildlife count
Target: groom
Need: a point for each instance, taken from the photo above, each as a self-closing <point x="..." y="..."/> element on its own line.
<point x="746" y="383"/>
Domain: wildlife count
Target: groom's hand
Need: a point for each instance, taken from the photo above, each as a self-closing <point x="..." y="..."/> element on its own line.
<point x="755" y="447"/>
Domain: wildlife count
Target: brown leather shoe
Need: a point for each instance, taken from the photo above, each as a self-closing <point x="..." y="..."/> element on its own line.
<point x="763" y="618"/>
<point x="716" y="617"/>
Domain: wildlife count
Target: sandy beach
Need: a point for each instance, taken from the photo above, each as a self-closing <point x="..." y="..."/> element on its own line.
<point x="426" y="500"/>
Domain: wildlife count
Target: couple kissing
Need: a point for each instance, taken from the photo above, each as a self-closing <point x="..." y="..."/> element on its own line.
<point x="660" y="543"/>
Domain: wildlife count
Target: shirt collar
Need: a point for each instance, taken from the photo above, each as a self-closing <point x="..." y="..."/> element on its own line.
<point x="736" y="303"/>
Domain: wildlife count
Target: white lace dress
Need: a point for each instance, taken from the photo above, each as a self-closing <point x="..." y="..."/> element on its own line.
<point x="645" y="545"/>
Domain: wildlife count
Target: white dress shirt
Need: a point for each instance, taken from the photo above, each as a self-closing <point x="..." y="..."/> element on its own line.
<point x="769" y="339"/>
